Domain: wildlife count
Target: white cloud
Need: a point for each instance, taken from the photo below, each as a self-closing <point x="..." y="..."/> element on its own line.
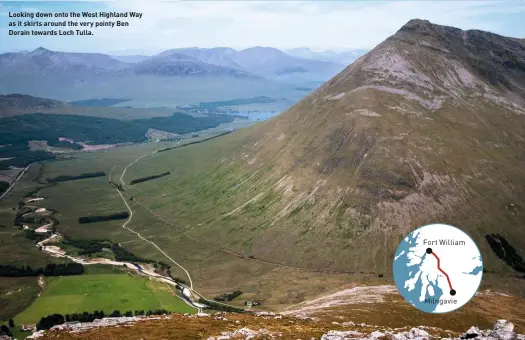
<point x="319" y="25"/>
<point x="293" y="23"/>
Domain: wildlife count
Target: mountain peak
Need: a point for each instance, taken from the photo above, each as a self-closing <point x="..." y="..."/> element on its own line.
<point x="419" y="27"/>
<point x="354" y="154"/>
<point x="40" y="50"/>
<point x="264" y="49"/>
<point x="415" y="24"/>
<point x="223" y="49"/>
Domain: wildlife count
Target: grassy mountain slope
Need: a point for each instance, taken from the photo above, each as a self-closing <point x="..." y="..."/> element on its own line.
<point x="21" y="101"/>
<point x="427" y="127"/>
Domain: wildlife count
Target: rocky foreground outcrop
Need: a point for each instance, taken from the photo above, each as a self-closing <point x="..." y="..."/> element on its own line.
<point x="225" y="326"/>
<point x="503" y="329"/>
<point x="105" y="322"/>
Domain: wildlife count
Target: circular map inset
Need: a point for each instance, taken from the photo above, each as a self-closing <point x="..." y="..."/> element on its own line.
<point x="437" y="268"/>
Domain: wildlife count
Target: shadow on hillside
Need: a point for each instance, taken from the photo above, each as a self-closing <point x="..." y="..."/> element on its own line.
<point x="505" y="251"/>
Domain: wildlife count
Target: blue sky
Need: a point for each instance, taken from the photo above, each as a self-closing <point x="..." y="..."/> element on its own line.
<point x="320" y="25"/>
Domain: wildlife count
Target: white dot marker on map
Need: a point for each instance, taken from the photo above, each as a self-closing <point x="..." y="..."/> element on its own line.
<point x="437" y="268"/>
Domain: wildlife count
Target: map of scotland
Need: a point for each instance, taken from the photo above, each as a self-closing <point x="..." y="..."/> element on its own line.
<point x="437" y="268"/>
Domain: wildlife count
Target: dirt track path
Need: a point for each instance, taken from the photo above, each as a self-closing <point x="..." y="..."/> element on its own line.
<point x="150" y="242"/>
<point x="131" y="216"/>
<point x="192" y="290"/>
<point x="130" y="164"/>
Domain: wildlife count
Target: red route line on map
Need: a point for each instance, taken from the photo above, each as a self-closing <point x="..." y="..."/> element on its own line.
<point x="441" y="270"/>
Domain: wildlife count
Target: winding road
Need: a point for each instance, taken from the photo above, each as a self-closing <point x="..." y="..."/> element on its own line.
<point x="131" y="216"/>
<point x="150" y="242"/>
<point x="192" y="290"/>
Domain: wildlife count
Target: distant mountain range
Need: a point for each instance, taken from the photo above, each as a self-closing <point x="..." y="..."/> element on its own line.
<point x="42" y="60"/>
<point x="177" y="64"/>
<point x="261" y="61"/>
<point x="220" y="56"/>
<point x="174" y="75"/>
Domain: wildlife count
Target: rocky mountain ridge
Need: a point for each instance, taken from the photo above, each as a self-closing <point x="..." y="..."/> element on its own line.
<point x="417" y="131"/>
<point x="377" y="145"/>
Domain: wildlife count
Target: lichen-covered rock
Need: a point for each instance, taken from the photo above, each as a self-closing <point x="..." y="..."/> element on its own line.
<point x="244" y="334"/>
<point x="503" y="329"/>
<point x="376" y="335"/>
<point x="342" y="335"/>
